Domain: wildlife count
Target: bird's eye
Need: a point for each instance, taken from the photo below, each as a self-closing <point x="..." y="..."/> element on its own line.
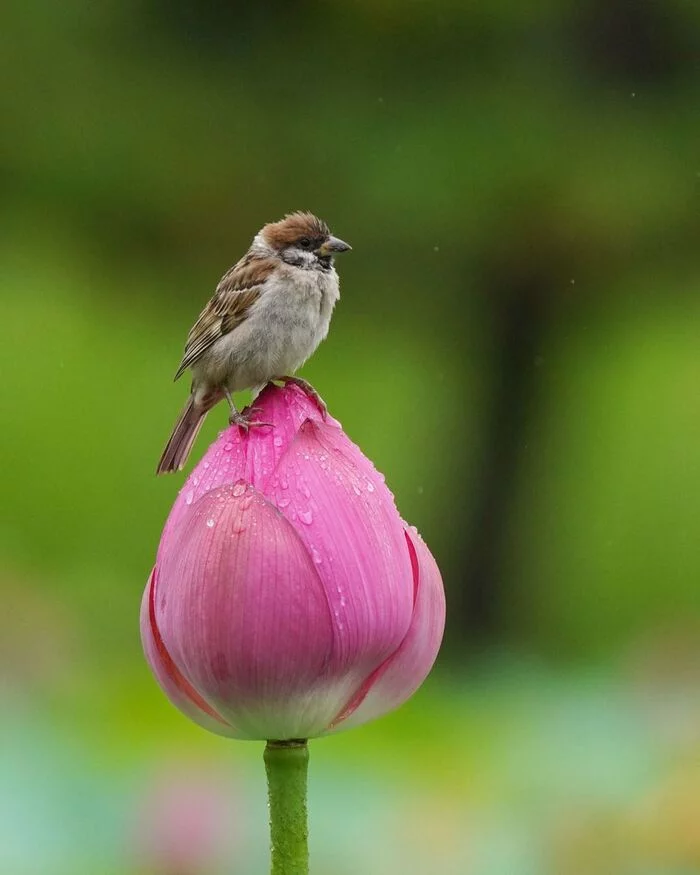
<point x="305" y="243"/>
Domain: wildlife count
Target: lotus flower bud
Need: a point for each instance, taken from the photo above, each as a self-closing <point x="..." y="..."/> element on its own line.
<point x="289" y="599"/>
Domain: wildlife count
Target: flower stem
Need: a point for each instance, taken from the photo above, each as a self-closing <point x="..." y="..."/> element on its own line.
<point x="286" y="765"/>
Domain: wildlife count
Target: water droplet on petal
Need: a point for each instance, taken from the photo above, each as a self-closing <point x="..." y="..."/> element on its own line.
<point x="195" y="481"/>
<point x="306" y="517"/>
<point x="277" y="441"/>
<point x="228" y="446"/>
<point x="210" y="523"/>
<point x="238" y="489"/>
<point x="283" y="502"/>
<point x="305" y="491"/>
<point x="370" y="486"/>
<point x="356" y="489"/>
<point x="205" y="465"/>
<point x="316" y="556"/>
<point x="189" y="497"/>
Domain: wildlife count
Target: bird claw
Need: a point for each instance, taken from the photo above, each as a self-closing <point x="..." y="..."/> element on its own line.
<point x="242" y="420"/>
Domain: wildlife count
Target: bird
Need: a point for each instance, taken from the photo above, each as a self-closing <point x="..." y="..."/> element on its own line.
<point x="267" y="316"/>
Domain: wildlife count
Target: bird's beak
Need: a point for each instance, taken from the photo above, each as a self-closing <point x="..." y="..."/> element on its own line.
<point x="332" y="245"/>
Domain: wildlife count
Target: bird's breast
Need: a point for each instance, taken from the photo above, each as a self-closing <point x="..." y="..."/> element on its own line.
<point x="284" y="327"/>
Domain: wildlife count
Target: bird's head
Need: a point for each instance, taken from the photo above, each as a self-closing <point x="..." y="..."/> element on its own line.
<point x="302" y="240"/>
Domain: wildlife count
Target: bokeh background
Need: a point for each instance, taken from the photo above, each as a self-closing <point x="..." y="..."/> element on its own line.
<point x="516" y="347"/>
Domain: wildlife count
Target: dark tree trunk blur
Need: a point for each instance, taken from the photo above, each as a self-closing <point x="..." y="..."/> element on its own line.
<point x="520" y="316"/>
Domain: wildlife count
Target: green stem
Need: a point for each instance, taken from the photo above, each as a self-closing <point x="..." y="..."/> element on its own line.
<point x="286" y="765"/>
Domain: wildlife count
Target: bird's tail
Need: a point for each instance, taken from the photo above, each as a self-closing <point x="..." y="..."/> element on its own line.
<point x="183" y="436"/>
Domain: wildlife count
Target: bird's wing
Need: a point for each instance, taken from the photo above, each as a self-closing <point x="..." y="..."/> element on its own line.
<point x="237" y="291"/>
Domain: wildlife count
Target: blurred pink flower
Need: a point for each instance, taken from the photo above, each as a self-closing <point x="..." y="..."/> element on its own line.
<point x="185" y="822"/>
<point x="289" y="599"/>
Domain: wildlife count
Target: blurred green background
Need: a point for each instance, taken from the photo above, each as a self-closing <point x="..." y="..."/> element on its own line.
<point x="516" y="347"/>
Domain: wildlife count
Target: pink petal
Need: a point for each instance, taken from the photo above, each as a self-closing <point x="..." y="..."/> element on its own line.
<point x="401" y="675"/>
<point x="178" y="689"/>
<point x="251" y="457"/>
<point x="346" y="516"/>
<point x="245" y="617"/>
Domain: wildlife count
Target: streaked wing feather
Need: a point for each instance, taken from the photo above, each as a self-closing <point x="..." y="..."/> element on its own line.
<point x="237" y="291"/>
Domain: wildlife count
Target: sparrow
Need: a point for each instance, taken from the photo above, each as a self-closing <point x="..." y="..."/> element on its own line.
<point x="267" y="316"/>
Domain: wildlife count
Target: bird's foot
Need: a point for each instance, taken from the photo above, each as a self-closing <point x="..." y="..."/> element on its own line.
<point x="309" y="390"/>
<point x="244" y="421"/>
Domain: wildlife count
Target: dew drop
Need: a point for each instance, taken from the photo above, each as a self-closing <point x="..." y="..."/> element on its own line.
<point x="277" y="441"/>
<point x="305" y="491"/>
<point x="238" y="489"/>
<point x="195" y="481"/>
<point x="284" y="483"/>
<point x="210" y="523"/>
<point x="316" y="556"/>
<point x="306" y="517"/>
<point x="228" y="446"/>
<point x="205" y="465"/>
<point x="370" y="486"/>
<point x="283" y="502"/>
<point x="189" y="497"/>
<point x="356" y="489"/>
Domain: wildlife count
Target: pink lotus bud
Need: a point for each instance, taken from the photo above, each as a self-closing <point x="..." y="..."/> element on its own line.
<point x="289" y="599"/>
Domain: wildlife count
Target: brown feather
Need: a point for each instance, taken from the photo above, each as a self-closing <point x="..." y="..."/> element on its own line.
<point x="293" y="227"/>
<point x="183" y="436"/>
<point x="237" y="291"/>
